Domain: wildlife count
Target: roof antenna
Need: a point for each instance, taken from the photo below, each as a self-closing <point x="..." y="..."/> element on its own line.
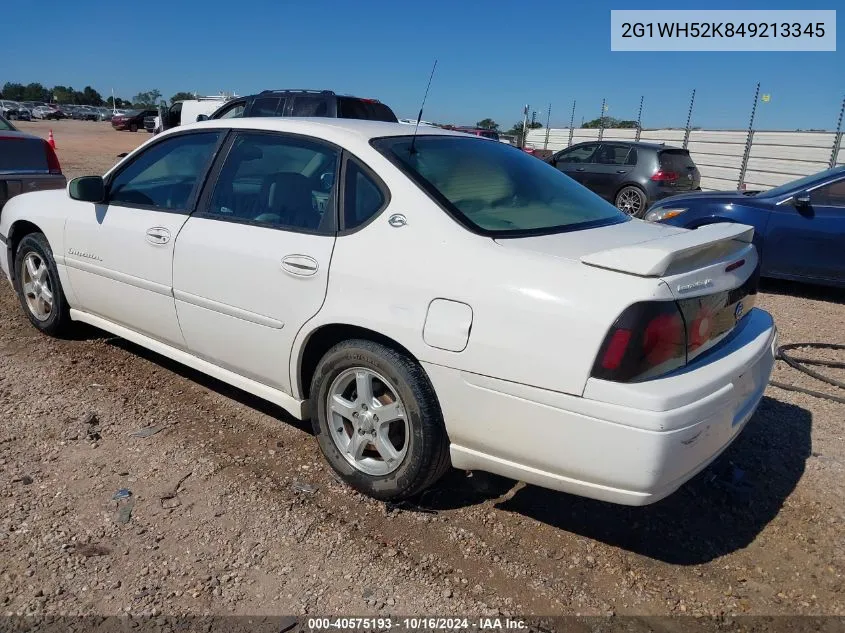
<point x="419" y="116"/>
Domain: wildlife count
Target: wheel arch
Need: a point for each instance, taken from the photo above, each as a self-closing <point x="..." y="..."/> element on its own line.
<point x="17" y="231"/>
<point x="322" y="339"/>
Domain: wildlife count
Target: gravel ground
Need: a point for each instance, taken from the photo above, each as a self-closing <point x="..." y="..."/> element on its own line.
<point x="233" y="511"/>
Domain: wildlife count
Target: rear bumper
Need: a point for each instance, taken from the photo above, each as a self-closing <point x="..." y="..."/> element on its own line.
<point x="627" y="444"/>
<point x="12" y="185"/>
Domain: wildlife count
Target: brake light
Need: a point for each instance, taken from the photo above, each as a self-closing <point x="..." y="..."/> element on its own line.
<point x="52" y="160"/>
<point x="648" y="339"/>
<point x="665" y="176"/>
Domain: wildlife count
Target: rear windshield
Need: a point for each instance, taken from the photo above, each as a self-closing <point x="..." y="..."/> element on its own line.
<point x="495" y="189"/>
<point x="351" y="108"/>
<point x="22" y="155"/>
<point x="677" y="160"/>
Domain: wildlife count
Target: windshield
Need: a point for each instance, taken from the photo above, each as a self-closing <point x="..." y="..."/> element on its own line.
<point x="797" y="185"/>
<point x="5" y="126"/>
<point x="495" y="189"/>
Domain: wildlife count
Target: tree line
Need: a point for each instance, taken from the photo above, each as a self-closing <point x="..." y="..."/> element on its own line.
<point x="87" y="96"/>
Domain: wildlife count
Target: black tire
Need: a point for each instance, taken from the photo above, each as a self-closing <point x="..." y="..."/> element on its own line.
<point x="133" y="127"/>
<point x="58" y="322"/>
<point x="427" y="457"/>
<point x="627" y="199"/>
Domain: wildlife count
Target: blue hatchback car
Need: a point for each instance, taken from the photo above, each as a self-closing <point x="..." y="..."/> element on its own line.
<point x="799" y="226"/>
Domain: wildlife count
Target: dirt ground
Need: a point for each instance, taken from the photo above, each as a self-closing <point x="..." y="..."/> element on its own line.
<point x="235" y="512"/>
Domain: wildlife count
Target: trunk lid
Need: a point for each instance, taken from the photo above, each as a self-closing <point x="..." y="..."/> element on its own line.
<point x="711" y="271"/>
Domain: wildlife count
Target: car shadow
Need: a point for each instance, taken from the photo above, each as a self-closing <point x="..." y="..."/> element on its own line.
<point x="802" y="289"/>
<point x="213" y="384"/>
<point x="719" y="511"/>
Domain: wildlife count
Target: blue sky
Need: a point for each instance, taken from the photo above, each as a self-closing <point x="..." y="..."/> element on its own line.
<point x="493" y="57"/>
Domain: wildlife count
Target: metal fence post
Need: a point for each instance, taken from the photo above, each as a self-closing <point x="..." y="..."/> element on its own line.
<point x="571" y="123"/>
<point x="639" y="120"/>
<point x="744" y="166"/>
<point x="837" y="138"/>
<point x="689" y="119"/>
<point x="601" y="120"/>
<point x="548" y="122"/>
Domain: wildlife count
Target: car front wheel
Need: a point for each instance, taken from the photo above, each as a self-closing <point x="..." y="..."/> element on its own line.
<point x="377" y="420"/>
<point x="631" y="200"/>
<point x="38" y="286"/>
<point x="133" y="127"/>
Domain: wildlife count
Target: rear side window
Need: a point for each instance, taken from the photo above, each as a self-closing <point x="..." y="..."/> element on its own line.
<point x="22" y="155"/>
<point x="352" y="108"/>
<point x="310" y="106"/>
<point x="268" y="106"/>
<point x="362" y="198"/>
<point x="677" y="160"/>
<point x="610" y="154"/>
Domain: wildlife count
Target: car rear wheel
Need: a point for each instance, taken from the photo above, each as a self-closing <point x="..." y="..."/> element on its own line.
<point x="631" y="200"/>
<point x="133" y="127"/>
<point x="38" y="286"/>
<point x="377" y="420"/>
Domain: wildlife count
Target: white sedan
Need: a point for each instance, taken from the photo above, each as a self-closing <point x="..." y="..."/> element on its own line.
<point x="426" y="301"/>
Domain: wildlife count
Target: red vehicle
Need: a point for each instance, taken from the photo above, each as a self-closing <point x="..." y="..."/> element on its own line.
<point x="132" y="120"/>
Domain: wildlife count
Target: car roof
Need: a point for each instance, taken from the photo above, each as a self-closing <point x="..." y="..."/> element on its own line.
<point x="18" y="134"/>
<point x="635" y="144"/>
<point x="328" y="128"/>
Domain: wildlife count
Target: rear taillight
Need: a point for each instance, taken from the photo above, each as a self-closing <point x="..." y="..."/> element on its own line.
<point x="648" y="339"/>
<point x="665" y="176"/>
<point x="52" y="160"/>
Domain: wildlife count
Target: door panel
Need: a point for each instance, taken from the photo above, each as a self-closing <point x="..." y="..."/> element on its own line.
<point x="119" y="254"/>
<point x="240" y="296"/>
<point x="576" y="162"/>
<point x="806" y="242"/>
<point x="252" y="267"/>
<point x="610" y="170"/>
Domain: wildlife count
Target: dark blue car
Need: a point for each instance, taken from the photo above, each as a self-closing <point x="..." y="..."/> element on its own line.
<point x="799" y="226"/>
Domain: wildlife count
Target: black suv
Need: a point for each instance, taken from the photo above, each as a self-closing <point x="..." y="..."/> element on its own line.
<point x="305" y="103"/>
<point x="630" y="175"/>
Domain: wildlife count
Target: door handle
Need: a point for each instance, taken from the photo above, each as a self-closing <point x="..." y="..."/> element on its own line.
<point x="581" y="169"/>
<point x="621" y="171"/>
<point x="158" y="235"/>
<point x="300" y="265"/>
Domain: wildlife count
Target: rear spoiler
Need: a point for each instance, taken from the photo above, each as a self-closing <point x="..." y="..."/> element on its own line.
<point x="654" y="258"/>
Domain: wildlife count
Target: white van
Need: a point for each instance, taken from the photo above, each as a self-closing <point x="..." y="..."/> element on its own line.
<point x="184" y="112"/>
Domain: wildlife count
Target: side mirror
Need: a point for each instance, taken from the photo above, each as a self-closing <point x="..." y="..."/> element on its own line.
<point x="801" y="199"/>
<point x="327" y="180"/>
<point x="202" y="117"/>
<point x="87" y="189"/>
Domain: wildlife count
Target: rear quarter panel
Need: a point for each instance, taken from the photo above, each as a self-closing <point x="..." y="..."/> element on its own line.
<point x="536" y="319"/>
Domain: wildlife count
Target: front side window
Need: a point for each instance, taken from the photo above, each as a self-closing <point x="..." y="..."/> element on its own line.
<point x="275" y="180"/>
<point x="582" y="154"/>
<point x="166" y="175"/>
<point x="495" y="189"/>
<point x="231" y="111"/>
<point x="362" y="198"/>
<point x="831" y="195"/>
